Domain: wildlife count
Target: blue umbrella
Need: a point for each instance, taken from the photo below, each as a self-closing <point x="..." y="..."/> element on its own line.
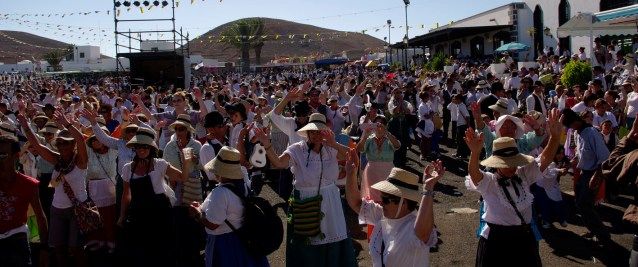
<point x="513" y="47"/>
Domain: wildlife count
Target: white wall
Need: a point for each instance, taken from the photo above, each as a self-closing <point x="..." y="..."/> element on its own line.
<point x="16" y="67"/>
<point x="499" y="16"/>
<point x="550" y="19"/>
<point x="91" y="54"/>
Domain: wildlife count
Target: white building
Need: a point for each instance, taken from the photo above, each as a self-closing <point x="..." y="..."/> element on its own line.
<point x="531" y="22"/>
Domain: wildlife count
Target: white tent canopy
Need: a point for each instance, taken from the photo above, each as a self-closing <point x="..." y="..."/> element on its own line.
<point x="620" y="21"/>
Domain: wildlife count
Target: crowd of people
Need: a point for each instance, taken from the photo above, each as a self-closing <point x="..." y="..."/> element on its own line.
<point x="159" y="176"/>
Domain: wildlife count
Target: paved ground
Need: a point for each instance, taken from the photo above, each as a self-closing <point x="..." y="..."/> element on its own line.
<point x="560" y="247"/>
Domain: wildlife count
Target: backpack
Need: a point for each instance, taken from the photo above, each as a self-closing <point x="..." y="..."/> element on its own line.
<point x="262" y="231"/>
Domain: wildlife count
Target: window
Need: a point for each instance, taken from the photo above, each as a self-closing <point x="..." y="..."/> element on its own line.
<point x="81" y="55"/>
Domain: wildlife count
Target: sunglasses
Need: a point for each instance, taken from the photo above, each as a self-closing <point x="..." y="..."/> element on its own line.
<point x="386" y="199"/>
<point x="180" y="129"/>
<point x="141" y="147"/>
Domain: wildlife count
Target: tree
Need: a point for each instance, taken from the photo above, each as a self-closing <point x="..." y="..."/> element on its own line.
<point x="54" y="57"/>
<point x="576" y="73"/>
<point x="244" y="35"/>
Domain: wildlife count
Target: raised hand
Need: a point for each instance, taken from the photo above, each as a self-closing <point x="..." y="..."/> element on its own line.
<point x="432" y="174"/>
<point x="554" y="123"/>
<point x="351" y="162"/>
<point x="475" y="108"/>
<point x="22" y="120"/>
<point x="60" y="119"/>
<point x="90" y="115"/>
<point x="261" y="136"/>
<point x="473" y="140"/>
<point x="328" y="137"/>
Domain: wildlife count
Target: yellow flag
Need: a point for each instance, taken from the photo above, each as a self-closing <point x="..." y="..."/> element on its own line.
<point x="192" y="1"/>
<point x="276" y="36"/>
<point x="142" y="10"/>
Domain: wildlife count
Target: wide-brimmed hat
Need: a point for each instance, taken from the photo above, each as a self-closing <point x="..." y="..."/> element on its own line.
<point x="65" y="135"/>
<point x="144" y="136"/>
<point x="40" y="116"/>
<point x="401" y="183"/>
<point x="182" y="120"/>
<point x="520" y="130"/>
<point x="482" y="84"/>
<point x="50" y="127"/>
<point x="7" y="128"/>
<point x="66" y="98"/>
<point x="226" y="164"/>
<point x="316" y="122"/>
<point x="500" y="106"/>
<point x="505" y="154"/>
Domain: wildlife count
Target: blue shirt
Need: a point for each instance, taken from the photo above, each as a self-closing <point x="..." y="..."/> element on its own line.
<point x="590" y="149"/>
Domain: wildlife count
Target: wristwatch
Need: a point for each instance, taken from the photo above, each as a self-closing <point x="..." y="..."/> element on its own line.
<point x="427" y="192"/>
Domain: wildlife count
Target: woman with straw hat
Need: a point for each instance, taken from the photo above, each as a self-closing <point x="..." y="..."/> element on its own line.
<point x="404" y="220"/>
<point x="69" y="177"/>
<point x="313" y="162"/>
<point x="146" y="215"/>
<point x="101" y="174"/>
<point x="189" y="233"/>
<point x="507" y="239"/>
<point x="223" y="207"/>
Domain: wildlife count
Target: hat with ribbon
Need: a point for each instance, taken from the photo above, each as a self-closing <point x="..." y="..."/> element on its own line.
<point x="500" y="106"/>
<point x="505" y="154"/>
<point x="401" y="183"/>
<point x="182" y="120"/>
<point x="226" y="164"/>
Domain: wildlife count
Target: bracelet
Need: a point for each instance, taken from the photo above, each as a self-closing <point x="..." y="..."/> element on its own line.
<point x="428" y="193"/>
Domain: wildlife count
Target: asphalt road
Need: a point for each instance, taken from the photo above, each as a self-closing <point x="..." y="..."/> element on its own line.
<point x="456" y="216"/>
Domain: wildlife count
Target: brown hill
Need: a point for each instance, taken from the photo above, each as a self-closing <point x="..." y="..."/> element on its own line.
<point x="12" y="51"/>
<point x="317" y="41"/>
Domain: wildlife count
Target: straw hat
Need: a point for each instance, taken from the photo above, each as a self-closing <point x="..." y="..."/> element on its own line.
<point x="65" y="135"/>
<point x="316" y="122"/>
<point x="520" y="130"/>
<point x="40" y="116"/>
<point x="50" y="127"/>
<point x="500" y="106"/>
<point x="183" y="120"/>
<point x="226" y="164"/>
<point x="401" y="183"/>
<point x="7" y="128"/>
<point x="144" y="136"/>
<point x="482" y="84"/>
<point x="505" y="155"/>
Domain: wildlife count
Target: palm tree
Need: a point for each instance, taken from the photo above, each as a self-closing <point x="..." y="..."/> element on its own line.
<point x="55" y="56"/>
<point x="244" y="35"/>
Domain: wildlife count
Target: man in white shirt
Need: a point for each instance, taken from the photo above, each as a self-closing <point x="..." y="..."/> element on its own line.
<point x="536" y="101"/>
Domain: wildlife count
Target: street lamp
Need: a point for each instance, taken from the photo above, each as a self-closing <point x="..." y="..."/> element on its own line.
<point x="385" y="48"/>
<point x="405" y="39"/>
<point x="389" y="41"/>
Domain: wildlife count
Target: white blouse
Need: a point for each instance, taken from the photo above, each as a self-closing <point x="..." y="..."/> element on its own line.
<point x="220" y="205"/>
<point x="308" y="165"/>
<point x="497" y="208"/>
<point x="157" y="175"/>
<point x="401" y="246"/>
<point x="101" y="166"/>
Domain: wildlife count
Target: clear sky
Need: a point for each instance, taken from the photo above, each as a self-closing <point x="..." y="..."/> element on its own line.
<point x="202" y="15"/>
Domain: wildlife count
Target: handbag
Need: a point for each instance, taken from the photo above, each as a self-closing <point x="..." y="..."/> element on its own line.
<point x="305" y="216"/>
<point x="86" y="213"/>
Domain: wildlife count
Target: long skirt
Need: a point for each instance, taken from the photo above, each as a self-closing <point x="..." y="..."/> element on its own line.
<point x="228" y="250"/>
<point x="375" y="171"/>
<point x="508" y="246"/>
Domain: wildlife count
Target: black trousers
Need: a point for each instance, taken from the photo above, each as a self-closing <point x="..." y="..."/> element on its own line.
<point x="508" y="246"/>
<point x="584" y="197"/>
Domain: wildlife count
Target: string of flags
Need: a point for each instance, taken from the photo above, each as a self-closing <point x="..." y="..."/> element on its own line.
<point x="29" y="44"/>
<point x="66" y="31"/>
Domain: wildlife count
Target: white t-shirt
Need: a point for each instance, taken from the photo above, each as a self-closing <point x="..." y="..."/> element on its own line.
<point x="401" y="245"/>
<point x="459" y="113"/>
<point x="77" y="180"/>
<point x="220" y="205"/>
<point x="580" y="107"/>
<point x="206" y="154"/>
<point x="632" y="104"/>
<point x="598" y="119"/>
<point x="309" y="165"/>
